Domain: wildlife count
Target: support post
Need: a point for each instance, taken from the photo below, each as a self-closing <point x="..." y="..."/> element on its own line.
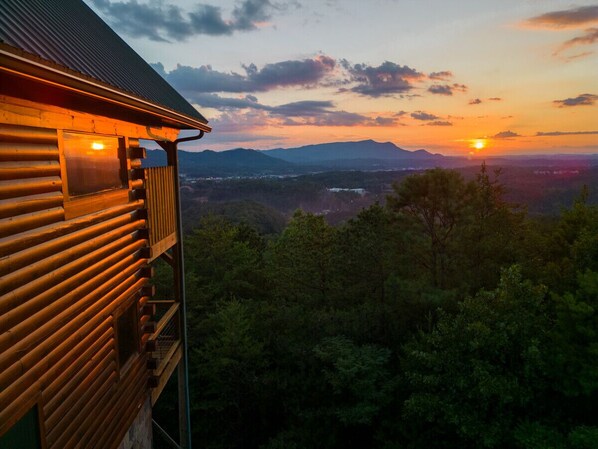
<point x="179" y="279"/>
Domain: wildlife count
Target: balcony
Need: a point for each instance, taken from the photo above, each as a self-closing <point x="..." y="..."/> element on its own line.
<point x="161" y="208"/>
<point x="164" y="345"/>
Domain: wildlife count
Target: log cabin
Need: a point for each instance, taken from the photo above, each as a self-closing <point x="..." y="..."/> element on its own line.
<point x="85" y="347"/>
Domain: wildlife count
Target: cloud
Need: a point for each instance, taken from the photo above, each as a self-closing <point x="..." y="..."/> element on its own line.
<point x="209" y="100"/>
<point x="205" y="79"/>
<point x="580" y="100"/>
<point x="446" y="89"/>
<point x="583" y="54"/>
<point x="161" y="21"/>
<point x="421" y="115"/>
<point x="194" y="80"/>
<point x="576" y="18"/>
<point x="439" y="123"/>
<point x="321" y="113"/>
<point x="565" y="133"/>
<point x="441" y="76"/>
<point x="590" y="37"/>
<point x="506" y="135"/>
<point x="495" y="99"/>
<point x="431" y="119"/>
<point x="291" y="73"/>
<point x="568" y="18"/>
<point x="305" y="108"/>
<point x="249" y="13"/>
<point x="475" y="101"/>
<point x="298" y="113"/>
<point x="387" y="79"/>
<point x="385" y="121"/>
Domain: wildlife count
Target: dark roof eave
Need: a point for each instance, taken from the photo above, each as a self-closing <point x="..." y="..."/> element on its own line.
<point x="37" y="70"/>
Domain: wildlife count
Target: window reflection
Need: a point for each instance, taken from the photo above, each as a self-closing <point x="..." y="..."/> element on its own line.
<point x="93" y="163"/>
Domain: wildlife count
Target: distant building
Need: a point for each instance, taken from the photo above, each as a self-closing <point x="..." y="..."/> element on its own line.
<point x="85" y="348"/>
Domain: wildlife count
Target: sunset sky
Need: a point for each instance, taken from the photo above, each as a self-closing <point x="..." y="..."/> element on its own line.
<point x="455" y="77"/>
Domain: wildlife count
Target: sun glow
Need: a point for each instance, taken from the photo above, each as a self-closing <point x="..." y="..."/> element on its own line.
<point x="479" y="144"/>
<point x="98" y="146"/>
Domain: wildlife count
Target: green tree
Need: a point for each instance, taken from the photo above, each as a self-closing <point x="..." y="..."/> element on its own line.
<point x="359" y="378"/>
<point x="575" y="355"/>
<point x="477" y="374"/>
<point x="494" y="232"/>
<point x="301" y="260"/>
<point x="434" y="206"/>
<point x="222" y="261"/>
<point x="569" y="248"/>
<point x="367" y="254"/>
<point x="226" y="369"/>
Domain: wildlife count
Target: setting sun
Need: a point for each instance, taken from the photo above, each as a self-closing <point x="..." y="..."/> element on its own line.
<point x="479" y="144"/>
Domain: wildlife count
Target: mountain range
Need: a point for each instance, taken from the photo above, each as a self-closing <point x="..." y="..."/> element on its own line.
<point x="330" y="153"/>
<point x="362" y="155"/>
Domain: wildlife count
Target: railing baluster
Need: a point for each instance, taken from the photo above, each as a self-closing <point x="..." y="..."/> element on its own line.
<point x="160" y="203"/>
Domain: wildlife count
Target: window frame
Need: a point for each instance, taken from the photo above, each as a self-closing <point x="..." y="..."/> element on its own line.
<point x="78" y="205"/>
<point x="34" y="403"/>
<point x="131" y="303"/>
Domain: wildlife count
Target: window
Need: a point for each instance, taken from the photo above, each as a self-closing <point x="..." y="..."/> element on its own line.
<point x="94" y="163"/>
<point x="126" y="332"/>
<point x="24" y="434"/>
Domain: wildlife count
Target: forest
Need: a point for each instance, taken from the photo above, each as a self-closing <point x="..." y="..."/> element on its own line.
<point x="444" y="316"/>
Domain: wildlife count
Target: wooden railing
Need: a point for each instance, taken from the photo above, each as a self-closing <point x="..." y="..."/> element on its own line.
<point x="164" y="345"/>
<point x="161" y="208"/>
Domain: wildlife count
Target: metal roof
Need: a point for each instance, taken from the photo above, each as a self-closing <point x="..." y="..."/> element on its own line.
<point x="69" y="34"/>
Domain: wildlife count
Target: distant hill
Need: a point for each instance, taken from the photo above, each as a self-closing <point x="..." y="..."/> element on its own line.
<point x="367" y="151"/>
<point x="237" y="162"/>
<point x="365" y="155"/>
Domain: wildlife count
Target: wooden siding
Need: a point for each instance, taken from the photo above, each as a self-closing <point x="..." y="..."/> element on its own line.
<point x="61" y="283"/>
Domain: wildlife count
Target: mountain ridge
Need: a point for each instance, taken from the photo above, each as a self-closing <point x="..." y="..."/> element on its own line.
<point x="362" y="149"/>
<point x="366" y="155"/>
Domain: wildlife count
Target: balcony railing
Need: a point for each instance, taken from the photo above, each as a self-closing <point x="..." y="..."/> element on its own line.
<point x="161" y="438"/>
<point x="161" y="208"/>
<point x="164" y="345"/>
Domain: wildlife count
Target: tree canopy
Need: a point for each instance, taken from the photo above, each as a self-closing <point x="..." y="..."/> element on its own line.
<point x="445" y="318"/>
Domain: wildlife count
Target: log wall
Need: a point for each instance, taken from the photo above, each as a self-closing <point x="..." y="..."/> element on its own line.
<point x="63" y="282"/>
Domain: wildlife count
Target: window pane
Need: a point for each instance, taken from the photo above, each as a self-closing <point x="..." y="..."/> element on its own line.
<point x="24" y="434"/>
<point x="127" y="335"/>
<point x="92" y="163"/>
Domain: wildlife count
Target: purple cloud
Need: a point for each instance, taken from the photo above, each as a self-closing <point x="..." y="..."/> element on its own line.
<point x="290" y="73"/>
<point x="589" y="37"/>
<point x="565" y="133"/>
<point x="475" y="101"/>
<point x="194" y="80"/>
<point x="298" y="113"/>
<point x="446" y="89"/>
<point x="445" y="75"/>
<point x="387" y="79"/>
<point x="424" y="116"/>
<point x="439" y="123"/>
<point x="321" y="113"/>
<point x="578" y="18"/>
<point x="580" y="100"/>
<point x="567" y="18"/>
<point x="506" y="135"/>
